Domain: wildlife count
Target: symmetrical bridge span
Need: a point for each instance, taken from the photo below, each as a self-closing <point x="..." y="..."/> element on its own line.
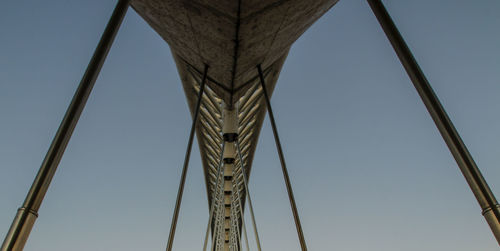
<point x="229" y="54"/>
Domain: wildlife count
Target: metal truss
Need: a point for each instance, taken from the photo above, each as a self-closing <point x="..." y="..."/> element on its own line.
<point x="250" y="110"/>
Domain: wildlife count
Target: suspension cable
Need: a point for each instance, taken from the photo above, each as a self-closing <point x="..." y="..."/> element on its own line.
<point x="241" y="210"/>
<point x="186" y="163"/>
<point x="288" y="185"/>
<point x="214" y="193"/>
<point x="245" y="182"/>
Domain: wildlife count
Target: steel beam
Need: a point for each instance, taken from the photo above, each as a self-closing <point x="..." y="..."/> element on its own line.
<point x="250" y="205"/>
<point x="240" y="205"/>
<point x="476" y="181"/>
<point x="25" y="219"/>
<point x="180" y="192"/>
<point x="288" y="185"/>
<point x="214" y="197"/>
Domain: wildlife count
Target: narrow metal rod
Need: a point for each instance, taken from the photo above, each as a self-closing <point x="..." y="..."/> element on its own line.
<point x="216" y="233"/>
<point x="212" y="204"/>
<point x="216" y="230"/>
<point x="235" y="216"/>
<point x="289" y="190"/>
<point x="238" y="234"/>
<point x="240" y="202"/>
<point x="243" y="225"/>
<point x="250" y="206"/>
<point x="219" y="224"/>
<point x="27" y="214"/>
<point x="476" y="181"/>
<point x="186" y="163"/>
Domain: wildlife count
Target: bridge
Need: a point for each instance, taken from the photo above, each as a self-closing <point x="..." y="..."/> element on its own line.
<point x="229" y="55"/>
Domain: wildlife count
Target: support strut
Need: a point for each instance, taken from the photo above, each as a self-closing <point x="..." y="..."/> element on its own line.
<point x="186" y="163"/>
<point x="476" y="181"/>
<point x="240" y="204"/>
<point x="214" y="197"/>
<point x="25" y="219"/>
<point x="288" y="185"/>
<point x="250" y="205"/>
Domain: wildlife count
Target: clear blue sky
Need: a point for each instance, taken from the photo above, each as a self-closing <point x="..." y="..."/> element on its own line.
<point x="369" y="169"/>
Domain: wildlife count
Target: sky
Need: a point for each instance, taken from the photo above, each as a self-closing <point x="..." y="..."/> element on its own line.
<point x="367" y="164"/>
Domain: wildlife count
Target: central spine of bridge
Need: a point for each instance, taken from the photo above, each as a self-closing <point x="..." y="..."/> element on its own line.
<point x="230" y="135"/>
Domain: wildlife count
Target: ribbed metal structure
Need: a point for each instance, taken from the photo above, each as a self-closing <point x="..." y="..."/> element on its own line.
<point x="251" y="112"/>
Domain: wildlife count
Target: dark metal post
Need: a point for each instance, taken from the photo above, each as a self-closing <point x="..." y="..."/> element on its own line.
<point x="250" y="205"/>
<point x="27" y="214"/>
<point x="186" y="163"/>
<point x="486" y="199"/>
<point x="214" y="198"/>
<point x="283" y="164"/>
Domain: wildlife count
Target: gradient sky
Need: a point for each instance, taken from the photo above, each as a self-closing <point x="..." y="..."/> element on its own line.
<point x="368" y="167"/>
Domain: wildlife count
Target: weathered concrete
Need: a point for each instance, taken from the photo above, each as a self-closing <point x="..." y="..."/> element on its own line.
<point x="229" y="35"/>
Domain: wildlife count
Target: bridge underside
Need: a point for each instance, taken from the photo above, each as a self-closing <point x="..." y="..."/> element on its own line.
<point x="229" y="54"/>
<point x="232" y="38"/>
